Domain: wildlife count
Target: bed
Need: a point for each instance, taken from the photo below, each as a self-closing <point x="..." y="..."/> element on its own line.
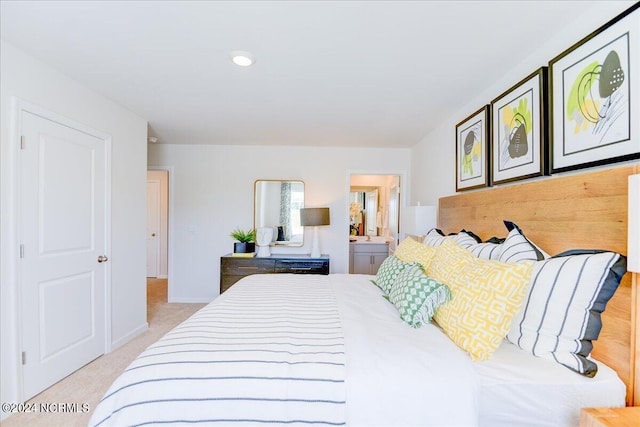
<point x="332" y="350"/>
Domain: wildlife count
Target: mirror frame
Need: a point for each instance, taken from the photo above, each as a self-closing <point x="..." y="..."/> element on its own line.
<point x="257" y="199"/>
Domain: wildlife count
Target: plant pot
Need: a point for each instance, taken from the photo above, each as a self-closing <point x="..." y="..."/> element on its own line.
<point x="244" y="248"/>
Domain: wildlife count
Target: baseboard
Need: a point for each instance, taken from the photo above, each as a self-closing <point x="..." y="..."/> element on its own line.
<point x="131" y="335"/>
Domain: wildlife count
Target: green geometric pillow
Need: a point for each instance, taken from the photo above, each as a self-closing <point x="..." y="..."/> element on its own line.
<point x="388" y="271"/>
<point x="416" y="296"/>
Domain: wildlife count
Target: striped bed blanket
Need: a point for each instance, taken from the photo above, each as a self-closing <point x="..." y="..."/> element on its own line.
<point x="261" y="353"/>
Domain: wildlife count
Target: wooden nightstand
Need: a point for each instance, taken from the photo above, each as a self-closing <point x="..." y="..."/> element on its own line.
<point x="610" y="417"/>
<point x="233" y="268"/>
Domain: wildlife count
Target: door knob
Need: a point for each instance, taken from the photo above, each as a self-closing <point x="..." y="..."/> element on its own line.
<point x="103" y="258"/>
<point x="153" y="234"/>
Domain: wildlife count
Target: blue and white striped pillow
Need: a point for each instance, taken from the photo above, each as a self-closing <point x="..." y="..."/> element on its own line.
<point x="561" y="314"/>
<point x="435" y="237"/>
<point x="517" y="248"/>
<point x="487" y="250"/>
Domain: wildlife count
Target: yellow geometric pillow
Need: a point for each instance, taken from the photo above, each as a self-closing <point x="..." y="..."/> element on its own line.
<point x="410" y="250"/>
<point x="486" y="295"/>
<point x="449" y="260"/>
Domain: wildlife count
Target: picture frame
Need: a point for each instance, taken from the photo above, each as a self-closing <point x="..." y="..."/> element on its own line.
<point x="472" y="143"/>
<point x="594" y="97"/>
<point x="519" y="141"/>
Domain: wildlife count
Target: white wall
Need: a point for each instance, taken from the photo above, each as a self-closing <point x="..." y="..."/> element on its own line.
<point x="32" y="81"/>
<point x="211" y="193"/>
<point x="433" y="158"/>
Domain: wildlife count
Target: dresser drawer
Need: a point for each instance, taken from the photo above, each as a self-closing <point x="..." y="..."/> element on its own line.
<point x="233" y="268"/>
<point x="245" y="267"/>
<point x="302" y="266"/>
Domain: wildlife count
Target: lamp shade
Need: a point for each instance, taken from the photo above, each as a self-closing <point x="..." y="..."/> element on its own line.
<point x="311" y="217"/>
<point x="418" y="220"/>
<point x="633" y="225"/>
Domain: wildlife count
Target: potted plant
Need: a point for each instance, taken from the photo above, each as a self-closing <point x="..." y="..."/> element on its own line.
<point x="245" y="241"/>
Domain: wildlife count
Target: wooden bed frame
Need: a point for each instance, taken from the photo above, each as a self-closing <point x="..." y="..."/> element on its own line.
<point x="582" y="211"/>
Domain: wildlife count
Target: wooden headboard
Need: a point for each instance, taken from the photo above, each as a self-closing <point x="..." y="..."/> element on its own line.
<point x="583" y="211"/>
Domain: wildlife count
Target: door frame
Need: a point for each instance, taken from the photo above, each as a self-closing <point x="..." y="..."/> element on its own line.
<point x="13" y="226"/>
<point x="170" y="186"/>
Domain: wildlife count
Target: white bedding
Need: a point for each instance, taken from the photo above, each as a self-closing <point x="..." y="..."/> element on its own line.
<point x="396" y="375"/>
<point x="513" y="388"/>
<point x="517" y="389"/>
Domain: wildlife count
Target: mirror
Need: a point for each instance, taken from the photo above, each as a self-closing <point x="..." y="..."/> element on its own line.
<point x="356" y="216"/>
<point x="277" y="204"/>
<point x="371" y="214"/>
<point x="364" y="212"/>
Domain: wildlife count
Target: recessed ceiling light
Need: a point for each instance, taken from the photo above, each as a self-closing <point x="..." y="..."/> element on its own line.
<point x="242" y="58"/>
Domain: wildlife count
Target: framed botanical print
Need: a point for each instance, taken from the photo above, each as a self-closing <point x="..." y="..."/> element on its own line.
<point x="472" y="161"/>
<point x="519" y="131"/>
<point x="595" y="97"/>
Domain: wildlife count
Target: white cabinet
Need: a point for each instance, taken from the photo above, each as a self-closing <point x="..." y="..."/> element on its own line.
<point x="365" y="258"/>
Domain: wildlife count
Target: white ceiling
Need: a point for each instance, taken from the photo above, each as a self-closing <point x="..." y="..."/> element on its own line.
<point x="342" y="73"/>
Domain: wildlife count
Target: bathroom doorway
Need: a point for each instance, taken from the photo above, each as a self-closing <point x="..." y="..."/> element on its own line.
<point x="374" y="208"/>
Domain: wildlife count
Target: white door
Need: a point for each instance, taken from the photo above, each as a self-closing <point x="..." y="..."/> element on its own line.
<point x="62" y="231"/>
<point x="153" y="227"/>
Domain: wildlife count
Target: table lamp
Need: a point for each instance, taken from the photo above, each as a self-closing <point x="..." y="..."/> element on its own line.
<point x="314" y="217"/>
<point x="418" y="220"/>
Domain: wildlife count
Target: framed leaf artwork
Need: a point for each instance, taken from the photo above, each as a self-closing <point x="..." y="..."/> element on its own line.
<point x="472" y="160"/>
<point x="595" y="97"/>
<point x="519" y="131"/>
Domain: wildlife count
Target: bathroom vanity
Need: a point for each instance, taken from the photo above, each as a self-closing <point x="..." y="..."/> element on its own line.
<point x="365" y="256"/>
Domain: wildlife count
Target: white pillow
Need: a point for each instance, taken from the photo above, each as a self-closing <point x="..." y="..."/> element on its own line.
<point x="561" y="314"/>
<point x="487" y="250"/>
<point x="517" y="248"/>
<point x="435" y="237"/>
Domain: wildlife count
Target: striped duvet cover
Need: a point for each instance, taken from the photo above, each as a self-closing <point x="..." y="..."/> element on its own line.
<point x="296" y="350"/>
<point x="265" y="352"/>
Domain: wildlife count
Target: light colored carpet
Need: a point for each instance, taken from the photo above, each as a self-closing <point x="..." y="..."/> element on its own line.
<point x="91" y="382"/>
